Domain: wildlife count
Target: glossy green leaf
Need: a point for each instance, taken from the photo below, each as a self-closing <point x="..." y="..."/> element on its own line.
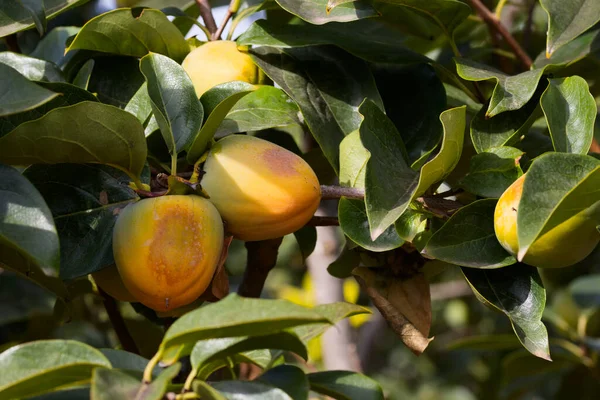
<point x="586" y="290"/>
<point x="19" y="94"/>
<point x="353" y="161"/>
<point x="64" y="362"/>
<point x="327" y="84"/>
<point x="14" y="307"/>
<point x="570" y="111"/>
<point x="206" y="391"/>
<point x="572" y="52"/>
<point x="177" y="110"/>
<point x="334" y="312"/>
<point x="120" y="359"/>
<point x="140" y="105"/>
<point x="113" y="384"/>
<point x="237" y="316"/>
<point x="568" y="19"/>
<point x="82" y="79"/>
<point x="37" y="12"/>
<point x="558" y="186"/>
<point x="370" y="39"/>
<point x="234" y="390"/>
<point x="353" y="219"/>
<point x="468" y="239"/>
<point x="389" y="182"/>
<point x="518" y="292"/>
<point x="411" y="224"/>
<point x="345" y="385"/>
<point x="217" y="102"/>
<point x="32" y="68"/>
<point x="15" y="17"/>
<point x="316" y="11"/>
<point x="52" y="46"/>
<point x="444" y="162"/>
<point x="68" y="95"/>
<point x="85" y="201"/>
<point x="267" y="107"/>
<point x="307" y="240"/>
<point x="132" y="32"/>
<point x="492" y="172"/>
<point x="342" y="267"/>
<point x="289" y="378"/>
<point x="26" y="223"/>
<point x="115" y="79"/>
<point x="511" y="92"/>
<point x="62" y="135"/>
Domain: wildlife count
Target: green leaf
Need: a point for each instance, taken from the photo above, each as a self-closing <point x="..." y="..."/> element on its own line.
<point x="85" y="201"/>
<point x="586" y="290"/>
<point x="62" y="135"/>
<point x="140" y="105"/>
<point x="237" y="316"/>
<point x="68" y="394"/>
<point x="176" y="107"/>
<point x="14" y="307"/>
<point x="567" y="20"/>
<point x="32" y="68"/>
<point x="468" y="238"/>
<point x="411" y="224"/>
<point x="307" y="240"/>
<point x="440" y="166"/>
<point x="15" y="17"/>
<point x="18" y="93"/>
<point x="289" y="378"/>
<point x="327" y="84"/>
<point x="209" y="350"/>
<point x="345" y="385"/>
<point x="353" y="161"/>
<point x="492" y="172"/>
<point x="353" y="219"/>
<point x="82" y="79"/>
<point x="206" y="391"/>
<point x="571" y="52"/>
<point x="558" y="186"/>
<point x="68" y="95"/>
<point x="516" y="291"/>
<point x="267" y="107"/>
<point x="346" y="262"/>
<point x="64" y="362"/>
<point x="316" y="11"/>
<point x="52" y="46"/>
<point x="129" y="32"/>
<point x="113" y="384"/>
<point x="115" y="79"/>
<point x="334" y="312"/>
<point x="390" y="182"/>
<point x="570" y="110"/>
<point x="234" y="390"/>
<point x="217" y="102"/>
<point x="26" y="223"/>
<point x="511" y="92"/>
<point x="120" y="359"/>
<point x="37" y="12"/>
<point x="370" y="39"/>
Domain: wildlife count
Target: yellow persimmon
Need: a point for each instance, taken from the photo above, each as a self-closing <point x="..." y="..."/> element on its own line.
<point x="563" y="245"/>
<point x="217" y="62"/>
<point x="167" y="249"/>
<point x="109" y="280"/>
<point x="261" y="190"/>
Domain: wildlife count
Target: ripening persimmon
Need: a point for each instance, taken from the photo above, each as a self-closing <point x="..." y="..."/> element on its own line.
<point x="167" y="249"/>
<point x="109" y="280"/>
<point x="218" y="62"/>
<point x="261" y="190"/>
<point x="561" y="246"/>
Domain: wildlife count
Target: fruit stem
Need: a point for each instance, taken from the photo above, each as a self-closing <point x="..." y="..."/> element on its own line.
<point x="118" y="323"/>
<point x="187" y="386"/>
<point x="174" y="164"/>
<point x="150" y="367"/>
<point x="196" y="174"/>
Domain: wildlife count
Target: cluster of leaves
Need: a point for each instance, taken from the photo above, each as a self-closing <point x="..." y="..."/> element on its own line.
<point x="89" y="110"/>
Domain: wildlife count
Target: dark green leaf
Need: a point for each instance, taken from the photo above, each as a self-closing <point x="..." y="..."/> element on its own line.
<point x="267" y="107"/>
<point x="140" y="105"/>
<point x="121" y="359"/>
<point x="237" y="316"/>
<point x="289" y="378"/>
<point x="570" y="111"/>
<point x="82" y="79"/>
<point x="355" y="224"/>
<point x="516" y="291"/>
<point x="316" y="11"/>
<point x="234" y="390"/>
<point x="116" y="79"/>
<point x="68" y="394"/>
<point x="15" y="17"/>
<point x="307" y="240"/>
<point x="558" y="186"/>
<point x="19" y="94"/>
<point x="586" y="291"/>
<point x="492" y="172"/>
<point x="389" y="182"/>
<point x="342" y="267"/>
<point x="568" y="19"/>
<point x="32" y="68"/>
<point x="573" y="51"/>
<point x="217" y="102"/>
<point x="128" y="32"/>
<point x="52" y="46"/>
<point x="62" y="135"/>
<point x="64" y="362"/>
<point x="112" y="384"/>
<point x="37" y="13"/>
<point x="345" y="385"/>
<point x="176" y="107"/>
<point x="468" y="238"/>
<point x="15" y="307"/>
<point x="85" y="201"/>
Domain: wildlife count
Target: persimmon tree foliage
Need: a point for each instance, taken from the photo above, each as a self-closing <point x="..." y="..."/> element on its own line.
<point x="132" y="154"/>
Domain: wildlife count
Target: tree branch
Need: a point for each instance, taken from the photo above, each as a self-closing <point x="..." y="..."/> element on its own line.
<point x="335" y="192"/>
<point x="495" y="24"/>
<point x="207" y="16"/>
<point x="262" y="257"/>
<point x="234" y="6"/>
<point x="323" y="221"/>
<point x="118" y="323"/>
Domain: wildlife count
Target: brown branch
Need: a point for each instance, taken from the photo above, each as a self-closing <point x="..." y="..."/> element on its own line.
<point x="496" y="25"/>
<point x="217" y="34"/>
<point x="335" y="192"/>
<point x="262" y="257"/>
<point x="207" y="16"/>
<point x="323" y="221"/>
<point x="118" y="323"/>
